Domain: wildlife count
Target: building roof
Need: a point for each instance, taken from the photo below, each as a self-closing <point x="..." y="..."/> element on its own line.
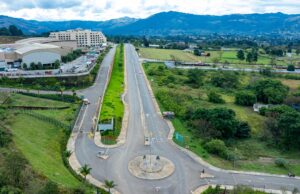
<point x="26" y="48"/>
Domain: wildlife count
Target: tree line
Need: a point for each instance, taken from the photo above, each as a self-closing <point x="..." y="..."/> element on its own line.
<point x="11" y="30"/>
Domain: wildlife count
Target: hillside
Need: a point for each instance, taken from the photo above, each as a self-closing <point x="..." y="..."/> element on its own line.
<point x="173" y="23"/>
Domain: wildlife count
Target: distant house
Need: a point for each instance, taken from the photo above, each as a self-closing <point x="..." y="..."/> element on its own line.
<point x="257" y="106"/>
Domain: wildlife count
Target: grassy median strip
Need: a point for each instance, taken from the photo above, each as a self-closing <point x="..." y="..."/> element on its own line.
<point x="112" y="106"/>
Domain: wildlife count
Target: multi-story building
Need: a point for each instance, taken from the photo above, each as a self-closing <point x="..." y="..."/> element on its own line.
<point x="84" y="38"/>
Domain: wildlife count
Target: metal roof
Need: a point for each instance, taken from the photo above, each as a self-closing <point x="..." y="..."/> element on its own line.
<point x="34" y="47"/>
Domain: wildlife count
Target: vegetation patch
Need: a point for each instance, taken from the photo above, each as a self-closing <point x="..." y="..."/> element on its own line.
<point x="32" y="144"/>
<point x="216" y="120"/>
<point x="112" y="106"/>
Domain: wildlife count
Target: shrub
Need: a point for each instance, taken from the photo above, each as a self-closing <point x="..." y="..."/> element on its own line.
<point x="216" y="147"/>
<point x="225" y="79"/>
<point x="280" y="162"/>
<point x="245" y="98"/>
<point x="243" y="130"/>
<point x="5" y="137"/>
<point x="291" y="68"/>
<point x="215" y="97"/>
<point x="270" y="91"/>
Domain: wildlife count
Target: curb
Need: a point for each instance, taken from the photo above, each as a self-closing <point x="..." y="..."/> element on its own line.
<point x="202" y="188"/>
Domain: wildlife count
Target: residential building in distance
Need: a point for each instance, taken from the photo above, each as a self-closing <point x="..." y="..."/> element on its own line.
<point x="84" y="38"/>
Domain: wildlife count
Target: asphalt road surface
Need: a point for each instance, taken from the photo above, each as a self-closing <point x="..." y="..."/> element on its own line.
<point x="144" y="118"/>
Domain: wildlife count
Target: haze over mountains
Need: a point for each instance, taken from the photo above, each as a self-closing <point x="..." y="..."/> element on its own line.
<point x="172" y="23"/>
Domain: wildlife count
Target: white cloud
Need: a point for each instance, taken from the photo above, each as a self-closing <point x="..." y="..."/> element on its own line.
<point x="108" y="9"/>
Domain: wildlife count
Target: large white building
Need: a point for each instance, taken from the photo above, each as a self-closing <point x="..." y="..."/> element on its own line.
<point x="19" y="54"/>
<point x="84" y="38"/>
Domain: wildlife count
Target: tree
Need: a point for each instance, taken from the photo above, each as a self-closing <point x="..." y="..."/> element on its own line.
<point x="270" y="91"/>
<point x="56" y="64"/>
<point x="14" y="31"/>
<point x="221" y="122"/>
<point x="109" y="185"/>
<point x="214" y="97"/>
<point x="39" y="65"/>
<point x="252" y="56"/>
<point x="62" y="89"/>
<point x="249" y="57"/>
<point x="243" y="130"/>
<point x="24" y="66"/>
<point x="145" y="42"/>
<point x="38" y="87"/>
<point x="225" y="79"/>
<point x="273" y="61"/>
<point x="195" y="77"/>
<point x="85" y="170"/>
<point x="291" y="68"/>
<point x="297" y="51"/>
<point x="197" y="52"/>
<point x="245" y="98"/>
<point x="217" y="147"/>
<point x="240" y="55"/>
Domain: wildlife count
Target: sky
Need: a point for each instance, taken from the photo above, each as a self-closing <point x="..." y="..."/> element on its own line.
<point x="100" y="10"/>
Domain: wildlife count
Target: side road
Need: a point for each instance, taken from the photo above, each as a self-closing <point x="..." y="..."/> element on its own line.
<point x="86" y="119"/>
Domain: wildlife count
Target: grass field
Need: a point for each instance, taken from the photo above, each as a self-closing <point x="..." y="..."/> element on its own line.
<point x="23" y="100"/>
<point x="112" y="106"/>
<point x="256" y="154"/>
<point x="229" y="56"/>
<point x="40" y="142"/>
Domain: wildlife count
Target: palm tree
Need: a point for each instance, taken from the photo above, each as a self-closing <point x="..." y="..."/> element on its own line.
<point x="85" y="170"/>
<point x="109" y="185"/>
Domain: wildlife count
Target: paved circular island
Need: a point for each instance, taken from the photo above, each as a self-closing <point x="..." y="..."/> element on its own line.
<point x="151" y="167"/>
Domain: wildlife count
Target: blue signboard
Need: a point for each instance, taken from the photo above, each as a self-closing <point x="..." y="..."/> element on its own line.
<point x="179" y="137"/>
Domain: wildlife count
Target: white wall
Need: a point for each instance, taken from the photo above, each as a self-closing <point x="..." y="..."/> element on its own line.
<point x="45" y="57"/>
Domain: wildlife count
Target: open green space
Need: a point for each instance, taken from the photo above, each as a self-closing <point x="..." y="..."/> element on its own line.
<point x="22" y="100"/>
<point x="227" y="56"/>
<point x="175" y="92"/>
<point x="40" y="141"/>
<point x="112" y="106"/>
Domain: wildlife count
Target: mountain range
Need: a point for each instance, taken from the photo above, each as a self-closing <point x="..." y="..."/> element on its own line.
<point x="172" y="23"/>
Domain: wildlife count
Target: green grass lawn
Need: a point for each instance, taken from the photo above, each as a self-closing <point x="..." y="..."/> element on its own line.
<point x="40" y="142"/>
<point x="256" y="154"/>
<point x="112" y="106"/>
<point x="23" y="100"/>
<point x="229" y="56"/>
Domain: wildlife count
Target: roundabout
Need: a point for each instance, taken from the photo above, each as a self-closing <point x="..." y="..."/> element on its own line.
<point x="151" y="167"/>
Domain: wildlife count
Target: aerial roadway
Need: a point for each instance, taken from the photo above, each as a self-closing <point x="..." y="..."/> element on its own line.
<point x="145" y="119"/>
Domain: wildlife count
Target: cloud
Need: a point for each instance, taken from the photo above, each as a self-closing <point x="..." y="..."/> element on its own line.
<point x="108" y="9"/>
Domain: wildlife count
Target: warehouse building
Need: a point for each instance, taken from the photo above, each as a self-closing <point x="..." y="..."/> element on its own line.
<point x="84" y="38"/>
<point x="19" y="54"/>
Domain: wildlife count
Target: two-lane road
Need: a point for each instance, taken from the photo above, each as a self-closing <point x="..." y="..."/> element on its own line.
<point x="143" y="117"/>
